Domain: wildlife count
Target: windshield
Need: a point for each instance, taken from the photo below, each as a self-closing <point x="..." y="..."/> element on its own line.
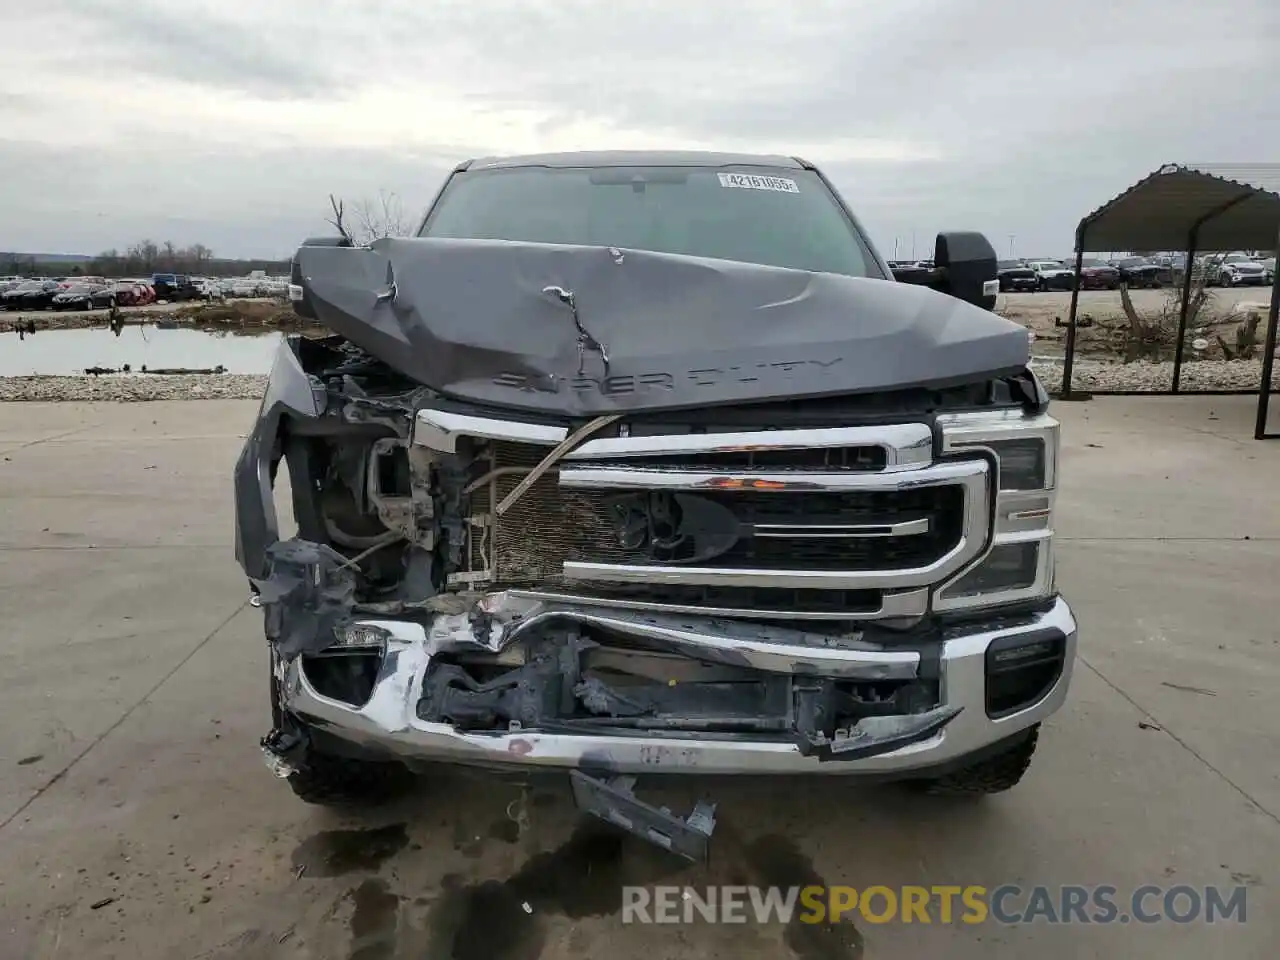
<point x="776" y="217"/>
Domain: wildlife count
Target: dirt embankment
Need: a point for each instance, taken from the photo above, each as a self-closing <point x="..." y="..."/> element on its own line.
<point x="1101" y="318"/>
<point x="220" y="315"/>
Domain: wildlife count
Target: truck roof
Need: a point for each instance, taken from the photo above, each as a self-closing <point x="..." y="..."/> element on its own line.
<point x="634" y="158"/>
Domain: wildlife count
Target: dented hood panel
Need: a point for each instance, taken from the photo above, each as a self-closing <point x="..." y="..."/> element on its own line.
<point x="470" y="318"/>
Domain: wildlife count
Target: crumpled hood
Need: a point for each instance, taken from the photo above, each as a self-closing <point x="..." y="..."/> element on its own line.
<point x="470" y="318"/>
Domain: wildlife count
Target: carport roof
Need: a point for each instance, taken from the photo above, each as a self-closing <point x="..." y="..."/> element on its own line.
<point x="1235" y="205"/>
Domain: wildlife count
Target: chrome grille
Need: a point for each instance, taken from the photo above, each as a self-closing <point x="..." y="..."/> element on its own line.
<point x="577" y="526"/>
<point x="847" y="532"/>
<point x="865" y="458"/>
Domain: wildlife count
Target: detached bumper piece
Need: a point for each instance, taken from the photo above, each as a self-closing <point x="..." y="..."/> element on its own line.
<point x="876" y="735"/>
<point x="614" y="801"/>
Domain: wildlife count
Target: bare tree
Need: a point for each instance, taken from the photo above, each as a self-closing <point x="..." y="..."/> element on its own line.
<point x="374" y="219"/>
<point x="339" y="209"/>
<point x="385" y="218"/>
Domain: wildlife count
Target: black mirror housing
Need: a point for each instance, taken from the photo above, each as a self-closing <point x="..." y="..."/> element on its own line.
<point x="967" y="268"/>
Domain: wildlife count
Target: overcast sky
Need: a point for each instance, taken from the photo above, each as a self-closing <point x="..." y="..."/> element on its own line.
<point x="229" y="121"/>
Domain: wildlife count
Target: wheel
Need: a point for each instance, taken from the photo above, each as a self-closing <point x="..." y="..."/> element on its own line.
<point x="327" y="780"/>
<point x="993" y="774"/>
<point x="330" y="781"/>
<point x="1225" y="280"/>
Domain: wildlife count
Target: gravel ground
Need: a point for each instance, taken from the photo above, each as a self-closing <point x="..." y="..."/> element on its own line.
<point x="1205" y="375"/>
<point x="129" y="389"/>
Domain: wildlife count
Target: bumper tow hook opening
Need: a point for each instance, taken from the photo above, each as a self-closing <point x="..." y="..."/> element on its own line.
<point x="615" y="802"/>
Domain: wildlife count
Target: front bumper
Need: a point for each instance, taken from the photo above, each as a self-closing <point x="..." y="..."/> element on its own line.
<point x="388" y="722"/>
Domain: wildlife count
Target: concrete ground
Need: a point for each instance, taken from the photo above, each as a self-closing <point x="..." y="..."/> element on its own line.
<point x="139" y="822"/>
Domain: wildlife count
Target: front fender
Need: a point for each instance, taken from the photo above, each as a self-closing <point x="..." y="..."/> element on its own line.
<point x="291" y="393"/>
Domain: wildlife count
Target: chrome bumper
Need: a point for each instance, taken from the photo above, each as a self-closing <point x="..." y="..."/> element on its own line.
<point x="388" y="722"/>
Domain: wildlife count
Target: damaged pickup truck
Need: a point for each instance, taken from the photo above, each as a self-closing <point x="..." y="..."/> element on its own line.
<point x="645" y="463"/>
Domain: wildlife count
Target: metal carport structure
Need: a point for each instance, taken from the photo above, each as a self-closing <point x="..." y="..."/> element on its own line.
<point x="1191" y="207"/>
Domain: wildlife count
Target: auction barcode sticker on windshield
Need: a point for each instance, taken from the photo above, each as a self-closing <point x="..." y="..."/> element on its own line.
<point x="751" y="181"/>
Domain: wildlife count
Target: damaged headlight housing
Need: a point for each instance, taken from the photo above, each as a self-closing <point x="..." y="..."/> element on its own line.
<point x="358" y="638"/>
<point x="1019" y="563"/>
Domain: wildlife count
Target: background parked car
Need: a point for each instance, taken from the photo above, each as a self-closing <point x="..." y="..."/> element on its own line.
<point x="76" y="296"/>
<point x="174" y="287"/>
<point x="1141" y="272"/>
<point x="1098" y="275"/>
<point x="208" y="289"/>
<point x="125" y="293"/>
<point x="32" y="295"/>
<point x="1237" y="270"/>
<point x="1052" y="275"/>
<point x="12" y="297"/>
<point x="1015" y="275"/>
<point x="244" y="288"/>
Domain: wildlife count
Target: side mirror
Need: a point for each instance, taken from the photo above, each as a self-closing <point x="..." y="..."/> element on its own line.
<point x="966" y="265"/>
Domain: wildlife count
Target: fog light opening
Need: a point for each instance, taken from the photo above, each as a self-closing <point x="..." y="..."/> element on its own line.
<point x="1022" y="670"/>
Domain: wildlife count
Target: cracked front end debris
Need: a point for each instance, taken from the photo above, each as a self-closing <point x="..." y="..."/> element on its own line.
<point x="498" y="564"/>
<point x="614" y="801"/>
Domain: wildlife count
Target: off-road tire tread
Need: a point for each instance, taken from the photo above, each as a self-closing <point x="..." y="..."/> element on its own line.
<point x="992" y="775"/>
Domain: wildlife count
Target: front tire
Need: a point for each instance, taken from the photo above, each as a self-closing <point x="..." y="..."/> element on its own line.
<point x="327" y="780"/>
<point x="330" y="781"/>
<point x="994" y="774"/>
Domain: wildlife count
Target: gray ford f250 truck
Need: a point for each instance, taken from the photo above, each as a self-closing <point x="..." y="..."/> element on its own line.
<point x="647" y="463"/>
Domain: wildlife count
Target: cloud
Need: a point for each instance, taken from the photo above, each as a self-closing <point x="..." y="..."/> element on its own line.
<point x="238" y="118"/>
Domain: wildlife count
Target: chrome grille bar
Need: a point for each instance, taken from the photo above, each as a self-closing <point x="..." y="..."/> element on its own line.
<point x="779" y="481"/>
<point x="906" y="445"/>
<point x="840" y="531"/>
<point x="972" y="476"/>
<point x="902" y="605"/>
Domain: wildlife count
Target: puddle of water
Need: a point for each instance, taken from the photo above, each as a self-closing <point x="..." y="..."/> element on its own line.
<point x="52" y="352"/>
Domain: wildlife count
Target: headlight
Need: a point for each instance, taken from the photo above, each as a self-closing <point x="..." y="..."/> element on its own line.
<point x="358" y="637"/>
<point x="1019" y="562"/>
<point x="1009" y="566"/>
<point x="1023" y="463"/>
